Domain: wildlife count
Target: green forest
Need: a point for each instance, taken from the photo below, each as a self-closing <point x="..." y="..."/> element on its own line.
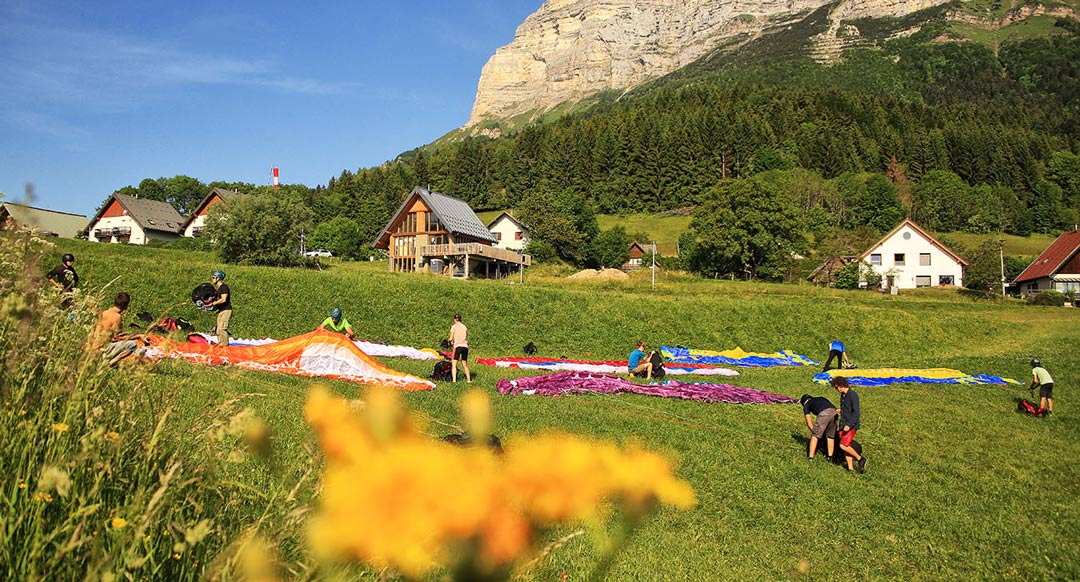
<point x="777" y="159"/>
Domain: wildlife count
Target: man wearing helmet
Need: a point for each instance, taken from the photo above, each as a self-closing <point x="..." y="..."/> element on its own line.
<point x="1041" y="378"/>
<point x="65" y="278"/>
<point x="221" y="303"/>
<point x="337" y="323"/>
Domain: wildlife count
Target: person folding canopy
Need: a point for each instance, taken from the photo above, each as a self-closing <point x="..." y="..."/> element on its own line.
<point x="837" y="350"/>
<point x="823" y="427"/>
<point x="337" y="323"/>
<point x="639" y="363"/>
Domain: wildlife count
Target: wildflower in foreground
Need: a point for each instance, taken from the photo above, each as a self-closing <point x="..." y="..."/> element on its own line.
<point x="393" y="496"/>
<point x="118" y="522"/>
<point x="60" y="427"/>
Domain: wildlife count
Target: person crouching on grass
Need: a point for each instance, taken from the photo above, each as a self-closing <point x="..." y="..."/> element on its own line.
<point x="640" y="364"/>
<point x="849" y="421"/>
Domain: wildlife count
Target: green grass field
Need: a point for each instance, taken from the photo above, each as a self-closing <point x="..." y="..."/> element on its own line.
<point x="959" y="486"/>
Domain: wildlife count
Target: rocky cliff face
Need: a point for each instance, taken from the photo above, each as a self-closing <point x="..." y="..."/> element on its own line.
<point x="570" y="49"/>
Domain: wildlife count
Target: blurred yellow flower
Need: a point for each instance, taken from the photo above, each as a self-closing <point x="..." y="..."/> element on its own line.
<point x="42" y="496"/>
<point x="393" y="496"/>
<point x="60" y="427"/>
<point x="112" y="436"/>
<point x="118" y="522"/>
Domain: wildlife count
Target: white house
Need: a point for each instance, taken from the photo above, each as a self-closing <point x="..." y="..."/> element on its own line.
<point x="510" y="232"/>
<point x="908" y="257"/>
<point x="130" y="220"/>
<point x="196" y="222"/>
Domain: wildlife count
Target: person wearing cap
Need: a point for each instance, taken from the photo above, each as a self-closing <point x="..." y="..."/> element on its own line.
<point x="64" y="278"/>
<point x="1041" y="378"/>
<point x="823" y="426"/>
<point x="222" y="303"/>
<point x="337" y="323"/>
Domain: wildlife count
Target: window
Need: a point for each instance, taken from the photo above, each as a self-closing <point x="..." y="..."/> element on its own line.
<point x="519" y="235"/>
<point x="875" y="259"/>
<point x="922" y="281"/>
<point x="898" y="259"/>
<point x="946" y="280"/>
<point x="924" y="259"/>
<point x="408" y="224"/>
<point x="498" y="236"/>
<point x="432" y="223"/>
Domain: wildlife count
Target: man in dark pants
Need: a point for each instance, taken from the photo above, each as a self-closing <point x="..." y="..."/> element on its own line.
<point x="849" y="421"/>
<point x="222" y="303"/>
<point x="823" y="426"/>
<point x="836" y="350"/>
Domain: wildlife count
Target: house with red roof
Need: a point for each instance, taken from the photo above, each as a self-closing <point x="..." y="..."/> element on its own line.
<point x="1057" y="268"/>
<point x="196" y="222"/>
<point x="130" y="220"/>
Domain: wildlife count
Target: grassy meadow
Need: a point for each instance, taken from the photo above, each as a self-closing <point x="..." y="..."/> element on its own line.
<point x="958" y="486"/>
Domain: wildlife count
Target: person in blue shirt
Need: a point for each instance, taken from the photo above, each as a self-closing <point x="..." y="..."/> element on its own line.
<point x="640" y="362"/>
<point x="837" y="350"/>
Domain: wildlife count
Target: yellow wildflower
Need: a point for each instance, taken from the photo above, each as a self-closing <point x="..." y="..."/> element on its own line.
<point x="112" y="436"/>
<point x="42" y="496"/>
<point x="118" y="522"/>
<point x="60" y="427"/>
<point x="22" y="484"/>
<point x="476" y="412"/>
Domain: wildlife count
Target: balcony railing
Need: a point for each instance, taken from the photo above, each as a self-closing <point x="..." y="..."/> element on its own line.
<point x="197" y="231"/>
<point x="117" y="231"/>
<point x="475" y="249"/>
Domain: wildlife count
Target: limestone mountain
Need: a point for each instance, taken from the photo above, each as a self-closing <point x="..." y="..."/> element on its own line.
<point x="569" y="50"/>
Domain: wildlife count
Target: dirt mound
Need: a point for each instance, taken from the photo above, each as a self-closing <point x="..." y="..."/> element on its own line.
<point x="602" y="274"/>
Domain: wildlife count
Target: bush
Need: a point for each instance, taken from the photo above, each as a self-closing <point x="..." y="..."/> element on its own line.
<point x="1049" y="297"/>
<point x="193" y="244"/>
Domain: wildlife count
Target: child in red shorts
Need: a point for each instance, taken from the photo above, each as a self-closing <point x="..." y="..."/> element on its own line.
<point x="849" y="415"/>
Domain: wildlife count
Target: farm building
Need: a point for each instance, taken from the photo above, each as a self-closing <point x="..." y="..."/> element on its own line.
<point x="1057" y="267"/>
<point x="196" y="222"/>
<point x="908" y="257"/>
<point x="509" y="232"/>
<point x="442" y="234"/>
<point x="40" y="221"/>
<point x="130" y="220"/>
<point x="636" y="257"/>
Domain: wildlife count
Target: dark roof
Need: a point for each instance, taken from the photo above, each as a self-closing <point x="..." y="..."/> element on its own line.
<point x="150" y="214"/>
<point x="225" y="196"/>
<point x="925" y="235"/>
<point x="512" y="218"/>
<point x="454" y="214"/>
<point x="62" y="224"/>
<point x="1053" y="258"/>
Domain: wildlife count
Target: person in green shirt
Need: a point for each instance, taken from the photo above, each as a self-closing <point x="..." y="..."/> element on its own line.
<point x="337" y="322"/>
<point x="1041" y="379"/>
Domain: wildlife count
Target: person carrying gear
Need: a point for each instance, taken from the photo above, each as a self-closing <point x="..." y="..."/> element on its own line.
<point x="337" y="323"/>
<point x="222" y="303"/>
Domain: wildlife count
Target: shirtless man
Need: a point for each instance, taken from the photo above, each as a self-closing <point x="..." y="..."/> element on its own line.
<point x="108" y="336"/>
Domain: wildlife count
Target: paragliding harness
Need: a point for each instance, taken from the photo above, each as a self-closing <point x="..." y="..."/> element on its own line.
<point x="657" y="362"/>
<point x="202" y="295"/>
<point x="168" y="324"/>
<point x="442" y="372"/>
<point x="1025" y="406"/>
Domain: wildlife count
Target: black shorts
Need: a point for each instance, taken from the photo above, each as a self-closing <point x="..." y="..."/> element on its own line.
<point x="461" y="353"/>
<point x="1046" y="390"/>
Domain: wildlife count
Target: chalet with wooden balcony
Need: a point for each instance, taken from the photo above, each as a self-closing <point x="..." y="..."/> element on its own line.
<point x="130" y="220"/>
<point x="441" y="234"/>
<point x="195" y="225"/>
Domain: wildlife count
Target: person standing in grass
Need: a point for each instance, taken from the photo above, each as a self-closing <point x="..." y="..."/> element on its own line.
<point x="639" y="363"/>
<point x="109" y="330"/>
<point x="337" y="323"/>
<point x="823" y="426"/>
<point x="837" y="350"/>
<point x="64" y="278"/>
<point x="849" y="420"/>
<point x="459" y="342"/>
<point x="1041" y="378"/>
<point x="222" y="303"/>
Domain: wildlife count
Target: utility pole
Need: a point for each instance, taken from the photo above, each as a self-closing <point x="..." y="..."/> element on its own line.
<point x="653" y="266"/>
<point x="1001" y="254"/>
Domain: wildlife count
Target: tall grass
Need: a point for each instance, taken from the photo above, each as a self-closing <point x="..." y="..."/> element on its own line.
<point x="959" y="486"/>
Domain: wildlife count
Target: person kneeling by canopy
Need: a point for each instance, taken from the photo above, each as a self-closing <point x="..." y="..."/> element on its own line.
<point x="337" y="323"/>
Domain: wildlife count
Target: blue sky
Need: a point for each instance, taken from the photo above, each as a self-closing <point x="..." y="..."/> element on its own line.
<point x="95" y="96"/>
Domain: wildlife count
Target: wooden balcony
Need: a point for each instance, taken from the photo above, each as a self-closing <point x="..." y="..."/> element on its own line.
<point x="475" y="250"/>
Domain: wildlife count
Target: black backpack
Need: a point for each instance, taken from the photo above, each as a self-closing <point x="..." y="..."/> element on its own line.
<point x="657" y="362"/>
<point x="441" y="372"/>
